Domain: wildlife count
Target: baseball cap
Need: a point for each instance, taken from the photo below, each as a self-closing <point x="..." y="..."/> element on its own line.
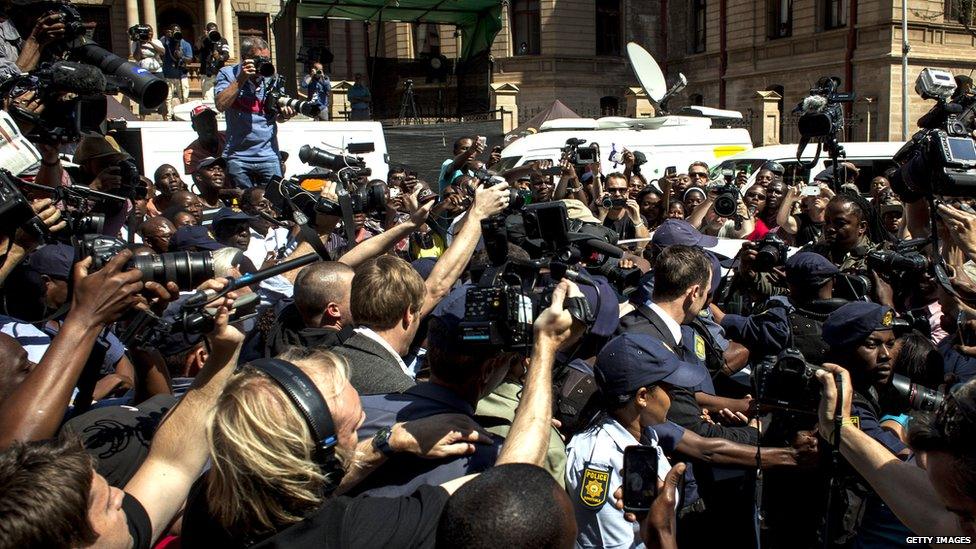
<point x="679" y="231"/>
<point x="809" y="269"/>
<point x="210" y="161"/>
<point x="193" y="236"/>
<point x="631" y="361"/>
<point x="201" y="109"/>
<point x="854" y="321"/>
<point x="892" y="206"/>
<point x="774" y="167"/>
<point x="54" y="260"/>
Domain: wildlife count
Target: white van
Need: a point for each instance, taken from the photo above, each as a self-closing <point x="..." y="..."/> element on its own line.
<point x="157" y="143"/>
<point x="872" y="159"/>
<point x="666" y="141"/>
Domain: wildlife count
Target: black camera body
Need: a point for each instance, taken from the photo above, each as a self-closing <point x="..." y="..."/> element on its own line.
<point x="788" y="382"/>
<point x="726" y="199"/>
<point x="771" y="253"/>
<point x="139" y="33"/>
<point x="15" y="209"/>
<point x="894" y="262"/>
<point x="187" y="269"/>
<point x="264" y="66"/>
<point x="936" y="162"/>
<point x="823" y="115"/>
<point x="367" y="199"/>
<point x="132" y="185"/>
<point x="609" y="203"/>
<point x="214" y="36"/>
<point x="579" y="155"/>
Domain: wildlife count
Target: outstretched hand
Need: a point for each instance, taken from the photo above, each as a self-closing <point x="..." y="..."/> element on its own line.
<point x="440" y="436"/>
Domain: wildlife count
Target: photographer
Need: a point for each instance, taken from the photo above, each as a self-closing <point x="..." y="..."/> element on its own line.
<point x="318" y="89"/>
<point x="252" y="135"/>
<point x="213" y="56"/>
<point x="805" y="226"/>
<point x="619" y="212"/>
<point x="939" y="500"/>
<point x="178" y="52"/>
<point x="465" y="149"/>
<point x="17" y="54"/>
<point x="148" y="53"/>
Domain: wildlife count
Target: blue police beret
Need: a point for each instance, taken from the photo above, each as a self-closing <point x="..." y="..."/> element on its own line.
<point x="193" y="236"/>
<point x="809" y="269"/>
<point x="631" y="361"/>
<point x="855" y="321"/>
<point x="54" y="260"/>
<point x="680" y="232"/>
<point x="224" y="215"/>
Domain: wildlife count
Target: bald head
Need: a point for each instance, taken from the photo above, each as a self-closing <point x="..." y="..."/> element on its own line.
<point x="156" y="233"/>
<point x="322" y="294"/>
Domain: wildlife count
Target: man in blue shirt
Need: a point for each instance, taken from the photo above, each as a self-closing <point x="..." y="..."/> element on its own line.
<point x="359" y="99"/>
<point x="252" y="135"/>
<point x="179" y="52"/>
<point x="318" y="87"/>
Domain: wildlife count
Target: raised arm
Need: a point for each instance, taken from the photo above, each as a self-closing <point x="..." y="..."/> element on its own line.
<point x="225" y="98"/>
<point x="35" y="410"/>
<point x="379" y="244"/>
<point x="179" y="449"/>
<point x="784" y="216"/>
<point x="528" y="439"/>
<point x="487" y="202"/>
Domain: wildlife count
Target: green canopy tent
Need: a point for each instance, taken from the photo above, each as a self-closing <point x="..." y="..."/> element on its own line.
<point x="478" y="20"/>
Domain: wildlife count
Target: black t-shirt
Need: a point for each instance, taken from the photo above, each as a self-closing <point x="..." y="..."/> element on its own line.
<point x="140" y="528"/>
<point x="360" y="522"/>
<point x="624" y="227"/>
<point x="809" y="230"/>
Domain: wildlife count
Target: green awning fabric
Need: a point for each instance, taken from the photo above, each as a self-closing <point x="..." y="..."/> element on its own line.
<point x="478" y="20"/>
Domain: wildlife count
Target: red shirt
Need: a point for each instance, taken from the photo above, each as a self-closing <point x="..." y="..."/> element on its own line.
<point x="759" y="232"/>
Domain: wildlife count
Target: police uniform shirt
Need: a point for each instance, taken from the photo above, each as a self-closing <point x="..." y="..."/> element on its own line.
<point x="594" y="471"/>
<point x="768" y="331"/>
<point x="694" y="353"/>
<point x="963" y="366"/>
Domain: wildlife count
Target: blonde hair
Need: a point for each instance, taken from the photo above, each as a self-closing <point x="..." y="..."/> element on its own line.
<point x="264" y="475"/>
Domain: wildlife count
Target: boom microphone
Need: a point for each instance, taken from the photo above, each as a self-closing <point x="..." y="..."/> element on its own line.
<point x="75" y="78"/>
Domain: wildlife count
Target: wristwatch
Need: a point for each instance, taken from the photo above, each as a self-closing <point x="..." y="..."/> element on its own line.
<point x="381" y="441"/>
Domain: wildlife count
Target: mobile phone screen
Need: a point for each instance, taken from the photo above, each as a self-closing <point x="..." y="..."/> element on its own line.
<point x="640" y="478"/>
<point x="670" y="171"/>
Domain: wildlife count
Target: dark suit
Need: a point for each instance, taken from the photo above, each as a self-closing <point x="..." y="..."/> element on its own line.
<point x="373" y="370"/>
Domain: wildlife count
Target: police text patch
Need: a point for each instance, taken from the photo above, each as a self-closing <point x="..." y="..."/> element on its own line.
<point x="594" y="486"/>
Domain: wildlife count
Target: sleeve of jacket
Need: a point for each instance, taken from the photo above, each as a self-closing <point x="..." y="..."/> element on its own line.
<point x="767" y="330"/>
<point x="685" y="412"/>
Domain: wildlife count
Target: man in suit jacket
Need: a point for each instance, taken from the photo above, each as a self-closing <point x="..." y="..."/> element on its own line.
<point x="386" y="299"/>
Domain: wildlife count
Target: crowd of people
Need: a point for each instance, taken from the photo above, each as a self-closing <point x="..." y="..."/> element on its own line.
<point x="166" y="381"/>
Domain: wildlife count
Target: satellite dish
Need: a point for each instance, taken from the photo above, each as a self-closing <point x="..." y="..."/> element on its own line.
<point x="648" y="72"/>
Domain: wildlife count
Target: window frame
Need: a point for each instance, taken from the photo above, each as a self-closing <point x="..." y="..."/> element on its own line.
<point x="776" y="28"/>
<point x="606" y="12"/>
<point x="525" y="16"/>
<point x="828" y="8"/>
<point x="698" y="26"/>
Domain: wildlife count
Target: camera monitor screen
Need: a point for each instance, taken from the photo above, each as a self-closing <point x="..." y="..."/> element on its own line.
<point x="962" y="149"/>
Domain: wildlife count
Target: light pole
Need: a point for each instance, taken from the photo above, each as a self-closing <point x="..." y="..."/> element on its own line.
<point x="905" y="48"/>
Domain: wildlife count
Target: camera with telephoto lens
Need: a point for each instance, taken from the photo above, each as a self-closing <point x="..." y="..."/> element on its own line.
<point x="276" y="99"/>
<point x="579" y="155"/>
<point x="915" y="396"/>
<point x="771" y="253"/>
<point x="788" y="382"/>
<point x="139" y="33"/>
<point x="369" y="198"/>
<point x="888" y="261"/>
<point x="214" y="36"/>
<point x="940" y="159"/>
<point x="187" y="269"/>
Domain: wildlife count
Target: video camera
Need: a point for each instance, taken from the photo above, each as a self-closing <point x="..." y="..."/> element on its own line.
<point x="822" y="119"/>
<point x="276" y="100"/>
<point x="581" y="156"/>
<point x="940" y="159"/>
<point x="73" y="95"/>
<point x="139" y="33"/>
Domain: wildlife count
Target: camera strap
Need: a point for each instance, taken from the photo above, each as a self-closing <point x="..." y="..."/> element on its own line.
<point x="348" y="223"/>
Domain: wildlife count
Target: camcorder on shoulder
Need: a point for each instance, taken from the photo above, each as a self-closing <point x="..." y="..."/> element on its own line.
<point x="579" y="155"/>
<point x="940" y="159"/>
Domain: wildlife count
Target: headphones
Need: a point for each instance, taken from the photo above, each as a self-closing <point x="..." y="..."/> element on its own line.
<point x="312" y="406"/>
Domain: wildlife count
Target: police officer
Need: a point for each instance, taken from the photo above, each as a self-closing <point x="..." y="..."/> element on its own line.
<point x="861" y="339"/>
<point x="794" y="320"/>
<point x="630" y="371"/>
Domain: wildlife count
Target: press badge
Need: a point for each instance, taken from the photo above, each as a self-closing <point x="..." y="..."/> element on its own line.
<point x="594" y="487"/>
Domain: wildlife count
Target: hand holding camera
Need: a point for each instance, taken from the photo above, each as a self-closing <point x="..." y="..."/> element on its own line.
<point x="48" y="29"/>
<point x="102" y="297"/>
<point x="555" y="323"/>
<point x="489" y="201"/>
<point x="248" y="70"/>
<point x="108" y="179"/>
<point x="829" y="396"/>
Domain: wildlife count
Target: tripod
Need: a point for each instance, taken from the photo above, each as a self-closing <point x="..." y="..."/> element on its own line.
<point x="408" y="106"/>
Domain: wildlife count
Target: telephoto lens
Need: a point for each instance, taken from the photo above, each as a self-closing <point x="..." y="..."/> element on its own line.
<point x="187" y="269"/>
<point x="214" y="36"/>
<point x="306" y="108"/>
